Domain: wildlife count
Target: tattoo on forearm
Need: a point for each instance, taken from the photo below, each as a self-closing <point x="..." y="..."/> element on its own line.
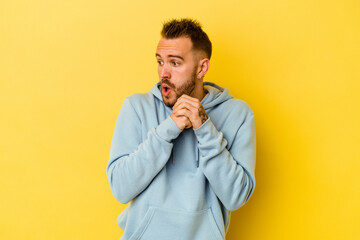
<point x="202" y="114"/>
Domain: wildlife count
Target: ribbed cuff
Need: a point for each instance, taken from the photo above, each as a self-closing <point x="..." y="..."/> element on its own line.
<point x="206" y="132"/>
<point x="168" y="130"/>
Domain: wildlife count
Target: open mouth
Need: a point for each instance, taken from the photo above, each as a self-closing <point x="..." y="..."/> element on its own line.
<point x="166" y="90"/>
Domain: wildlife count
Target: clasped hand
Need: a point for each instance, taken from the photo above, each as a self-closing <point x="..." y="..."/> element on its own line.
<point x="188" y="112"/>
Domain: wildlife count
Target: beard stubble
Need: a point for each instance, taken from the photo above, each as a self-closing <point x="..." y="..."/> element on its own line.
<point x="187" y="88"/>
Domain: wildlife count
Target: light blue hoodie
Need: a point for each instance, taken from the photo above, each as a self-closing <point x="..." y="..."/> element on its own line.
<point x="181" y="184"/>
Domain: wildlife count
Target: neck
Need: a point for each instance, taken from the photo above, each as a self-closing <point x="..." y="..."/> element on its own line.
<point x="199" y="91"/>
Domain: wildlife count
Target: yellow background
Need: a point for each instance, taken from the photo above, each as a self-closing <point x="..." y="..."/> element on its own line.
<point x="66" y="67"/>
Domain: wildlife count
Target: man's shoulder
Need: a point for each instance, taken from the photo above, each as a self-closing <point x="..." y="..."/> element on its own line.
<point x="140" y="98"/>
<point x="237" y="106"/>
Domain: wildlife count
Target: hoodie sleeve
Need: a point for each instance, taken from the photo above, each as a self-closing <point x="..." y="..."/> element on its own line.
<point x="230" y="172"/>
<point x="134" y="163"/>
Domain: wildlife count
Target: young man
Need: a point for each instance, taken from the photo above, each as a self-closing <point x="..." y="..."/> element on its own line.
<point x="182" y="155"/>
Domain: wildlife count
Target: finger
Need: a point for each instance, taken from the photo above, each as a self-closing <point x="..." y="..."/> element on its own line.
<point x="193" y="101"/>
<point x="185" y="105"/>
<point x="189" y="125"/>
<point x="188" y="114"/>
<point x="188" y="97"/>
<point x="187" y="110"/>
<point x="193" y="116"/>
<point x="178" y="101"/>
<point x="184" y="122"/>
<point x="182" y="113"/>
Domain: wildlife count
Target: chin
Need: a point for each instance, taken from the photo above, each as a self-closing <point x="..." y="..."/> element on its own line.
<point x="169" y="102"/>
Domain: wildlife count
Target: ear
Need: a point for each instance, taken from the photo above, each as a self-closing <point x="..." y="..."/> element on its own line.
<point x="204" y="65"/>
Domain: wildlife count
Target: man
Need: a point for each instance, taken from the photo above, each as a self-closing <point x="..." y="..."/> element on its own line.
<point x="182" y="155"/>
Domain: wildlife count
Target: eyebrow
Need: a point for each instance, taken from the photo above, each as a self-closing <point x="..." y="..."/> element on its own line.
<point x="173" y="56"/>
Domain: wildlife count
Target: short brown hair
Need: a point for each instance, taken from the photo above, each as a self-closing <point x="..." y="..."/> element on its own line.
<point x="189" y="28"/>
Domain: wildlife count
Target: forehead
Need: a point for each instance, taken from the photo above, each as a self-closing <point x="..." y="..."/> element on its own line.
<point x="179" y="46"/>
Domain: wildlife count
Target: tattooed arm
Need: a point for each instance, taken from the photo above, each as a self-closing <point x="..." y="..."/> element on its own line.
<point x="230" y="172"/>
<point x="192" y="109"/>
<point x="202" y="114"/>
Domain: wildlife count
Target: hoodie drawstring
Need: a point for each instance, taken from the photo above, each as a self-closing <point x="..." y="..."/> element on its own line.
<point x="197" y="157"/>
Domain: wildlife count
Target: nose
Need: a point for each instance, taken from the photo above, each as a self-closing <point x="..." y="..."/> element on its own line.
<point x="164" y="72"/>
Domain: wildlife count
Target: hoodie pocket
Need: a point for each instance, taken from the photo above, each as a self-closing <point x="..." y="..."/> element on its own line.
<point x="165" y="224"/>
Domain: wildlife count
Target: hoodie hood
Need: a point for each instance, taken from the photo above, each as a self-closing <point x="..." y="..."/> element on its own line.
<point x="215" y="95"/>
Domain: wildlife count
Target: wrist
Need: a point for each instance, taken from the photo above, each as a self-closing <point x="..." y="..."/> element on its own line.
<point x="180" y="125"/>
<point x="168" y="130"/>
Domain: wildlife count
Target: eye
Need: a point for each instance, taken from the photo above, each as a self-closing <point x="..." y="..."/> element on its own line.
<point x="175" y="63"/>
<point x="160" y="62"/>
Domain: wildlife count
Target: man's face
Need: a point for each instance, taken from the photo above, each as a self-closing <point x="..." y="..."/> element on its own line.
<point x="177" y="68"/>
